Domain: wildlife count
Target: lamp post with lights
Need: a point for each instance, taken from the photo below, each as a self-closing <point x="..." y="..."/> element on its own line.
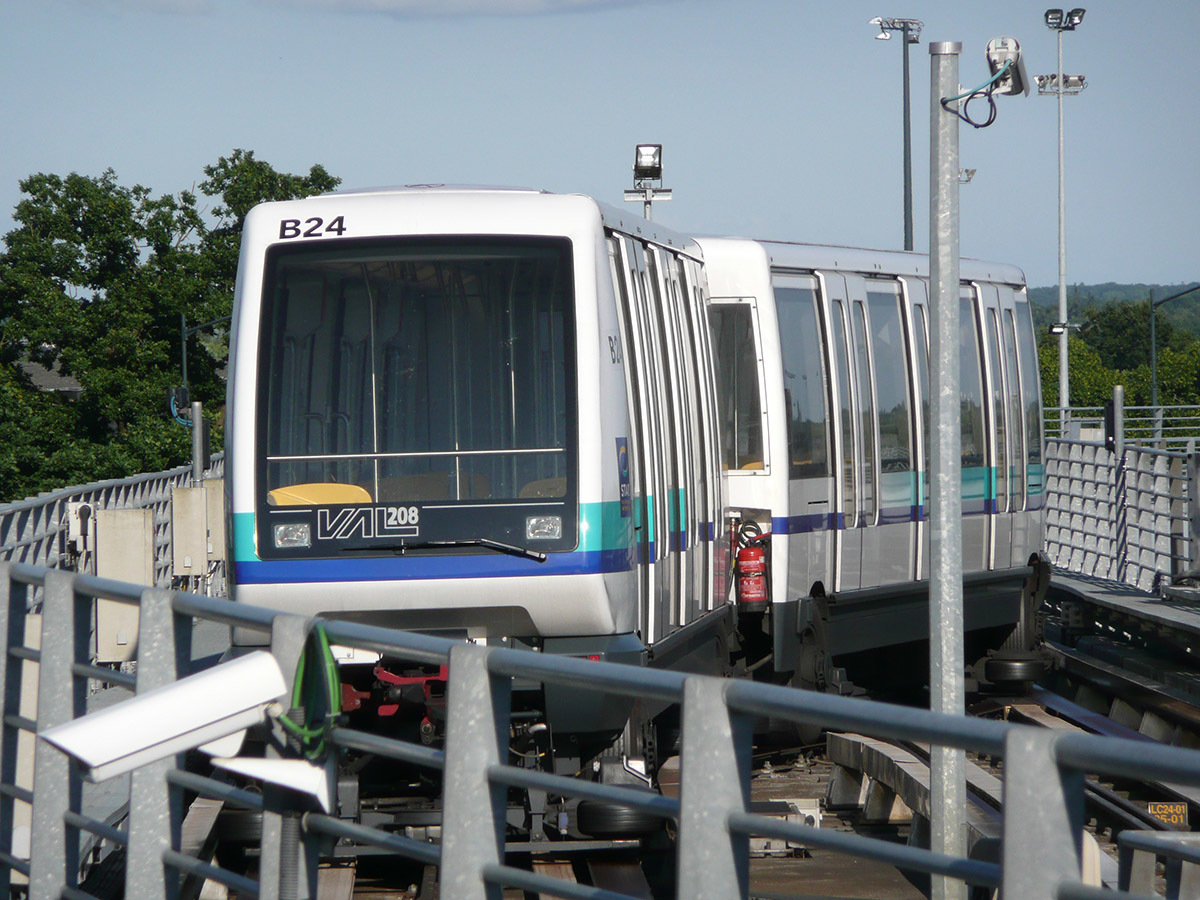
<point x="1154" y="305"/>
<point x="647" y="168"/>
<point x="910" y="33"/>
<point x="1060" y="21"/>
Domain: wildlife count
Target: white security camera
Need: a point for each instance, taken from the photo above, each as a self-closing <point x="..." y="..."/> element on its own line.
<point x="218" y="703"/>
<point x="305" y="778"/>
<point x="1004" y="51"/>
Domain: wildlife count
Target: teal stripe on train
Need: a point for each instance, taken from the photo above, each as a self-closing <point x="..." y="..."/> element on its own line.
<point x="602" y="527"/>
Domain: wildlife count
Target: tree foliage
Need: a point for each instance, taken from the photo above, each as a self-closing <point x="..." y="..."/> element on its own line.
<point x="1112" y="346"/>
<point x="94" y="280"/>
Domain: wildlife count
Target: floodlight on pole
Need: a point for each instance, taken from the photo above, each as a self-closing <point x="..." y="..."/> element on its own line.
<point x="1055" y="85"/>
<point x="647" y="167"/>
<point x="910" y="30"/>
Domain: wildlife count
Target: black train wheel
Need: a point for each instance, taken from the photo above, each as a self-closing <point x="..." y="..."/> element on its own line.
<point x="612" y="820"/>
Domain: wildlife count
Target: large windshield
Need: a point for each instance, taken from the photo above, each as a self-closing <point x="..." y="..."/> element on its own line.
<point x="430" y="379"/>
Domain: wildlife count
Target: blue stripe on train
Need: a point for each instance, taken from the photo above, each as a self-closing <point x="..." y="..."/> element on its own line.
<point x="299" y="571"/>
<point x="895" y="515"/>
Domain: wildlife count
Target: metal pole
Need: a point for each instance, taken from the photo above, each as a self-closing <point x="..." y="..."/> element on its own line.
<point x="1154" y="305"/>
<point x="947" y="690"/>
<point x="1153" y="354"/>
<point x="183" y="345"/>
<point x="1064" y="370"/>
<point x="908" y="212"/>
<point x="197" y="443"/>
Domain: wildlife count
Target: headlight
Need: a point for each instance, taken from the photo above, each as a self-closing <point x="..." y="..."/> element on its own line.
<point x="543" y="528"/>
<point x="293" y="534"/>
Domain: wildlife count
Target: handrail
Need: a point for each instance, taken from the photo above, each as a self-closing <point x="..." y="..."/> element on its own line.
<point x="714" y="821"/>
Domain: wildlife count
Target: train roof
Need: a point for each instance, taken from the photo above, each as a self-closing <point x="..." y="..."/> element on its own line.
<point x="788" y="254"/>
<point x="782" y="254"/>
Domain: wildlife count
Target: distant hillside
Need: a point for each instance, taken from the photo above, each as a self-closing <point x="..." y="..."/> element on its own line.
<point x="1086" y="295"/>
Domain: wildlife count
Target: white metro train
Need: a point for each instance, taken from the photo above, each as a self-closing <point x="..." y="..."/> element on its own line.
<point x="535" y="419"/>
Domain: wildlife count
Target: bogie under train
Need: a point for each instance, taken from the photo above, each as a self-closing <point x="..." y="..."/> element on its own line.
<point x="532" y="419"/>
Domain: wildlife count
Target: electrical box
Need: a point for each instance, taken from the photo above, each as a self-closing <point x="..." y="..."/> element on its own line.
<point x="214" y="494"/>
<point x="189" y="532"/>
<point x="124" y="552"/>
<point x="81" y="526"/>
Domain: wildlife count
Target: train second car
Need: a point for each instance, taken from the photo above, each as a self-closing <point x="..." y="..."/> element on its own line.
<point x="532" y="419"/>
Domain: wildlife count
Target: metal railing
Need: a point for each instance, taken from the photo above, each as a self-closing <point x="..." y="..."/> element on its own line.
<point x="1162" y="427"/>
<point x="37" y="531"/>
<point x="1043" y="789"/>
<point x="1124" y="516"/>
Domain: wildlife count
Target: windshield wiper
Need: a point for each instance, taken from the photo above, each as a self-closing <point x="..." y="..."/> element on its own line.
<point x="402" y="547"/>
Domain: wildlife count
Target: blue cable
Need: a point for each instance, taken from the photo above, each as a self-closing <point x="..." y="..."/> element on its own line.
<point x="175" y="412"/>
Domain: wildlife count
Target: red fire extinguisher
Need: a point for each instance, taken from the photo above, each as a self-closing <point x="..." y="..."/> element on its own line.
<point x="752" y="568"/>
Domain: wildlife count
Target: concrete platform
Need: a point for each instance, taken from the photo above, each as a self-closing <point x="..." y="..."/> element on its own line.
<point x="1179" y="610"/>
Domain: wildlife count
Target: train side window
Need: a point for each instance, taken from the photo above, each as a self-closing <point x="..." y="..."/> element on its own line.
<point x="998" y="412"/>
<point x="841" y="356"/>
<point x="1016" y="484"/>
<point x="919" y="333"/>
<point x="739" y="397"/>
<point x="972" y="434"/>
<point x="803" y="380"/>
<point x="866" y="413"/>
<point x="891" y="385"/>
<point x="1030" y="386"/>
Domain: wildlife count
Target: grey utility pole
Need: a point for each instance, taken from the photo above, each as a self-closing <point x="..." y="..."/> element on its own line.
<point x="1154" y="305"/>
<point x="947" y="688"/>
<point x="1060" y="21"/>
<point x="910" y="33"/>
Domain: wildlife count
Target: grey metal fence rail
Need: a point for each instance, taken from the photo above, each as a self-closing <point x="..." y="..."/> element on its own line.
<point x="37" y="531"/>
<point x="1163" y="427"/>
<point x="1120" y="514"/>
<point x="1043" y="789"/>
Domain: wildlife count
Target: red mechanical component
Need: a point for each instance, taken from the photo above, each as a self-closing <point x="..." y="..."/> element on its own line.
<point x="353" y="699"/>
<point x="390" y="678"/>
<point x="427" y="683"/>
<point x="752" y="574"/>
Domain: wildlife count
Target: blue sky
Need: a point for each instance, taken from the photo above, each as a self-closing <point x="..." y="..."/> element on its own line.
<point x="779" y="119"/>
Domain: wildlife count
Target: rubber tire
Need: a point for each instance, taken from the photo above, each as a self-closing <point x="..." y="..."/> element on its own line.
<point x="999" y="670"/>
<point x="610" y="820"/>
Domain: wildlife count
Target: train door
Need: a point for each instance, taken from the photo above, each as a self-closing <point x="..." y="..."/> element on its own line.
<point x="706" y="485"/>
<point x="915" y="293"/>
<point x="1017" y="481"/>
<point x="845" y="536"/>
<point x="639" y="449"/>
<point x="675" y="444"/>
<point x="867" y="437"/>
<point x="656" y="432"/>
<point x="1031" y="397"/>
<point x="1001" y="433"/>
<point x="889" y="548"/>
<point x="689" y="493"/>
<point x="976" y="475"/>
<point x="811" y="485"/>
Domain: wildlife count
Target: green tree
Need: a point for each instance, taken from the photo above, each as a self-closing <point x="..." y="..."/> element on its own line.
<point x="94" y="280"/>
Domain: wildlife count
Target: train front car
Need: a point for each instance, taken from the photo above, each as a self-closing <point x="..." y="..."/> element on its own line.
<point x="422" y="433"/>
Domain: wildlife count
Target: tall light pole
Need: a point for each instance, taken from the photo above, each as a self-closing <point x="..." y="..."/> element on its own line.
<point x="910" y="33"/>
<point x="1060" y="21"/>
<point x="1154" y="305"/>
